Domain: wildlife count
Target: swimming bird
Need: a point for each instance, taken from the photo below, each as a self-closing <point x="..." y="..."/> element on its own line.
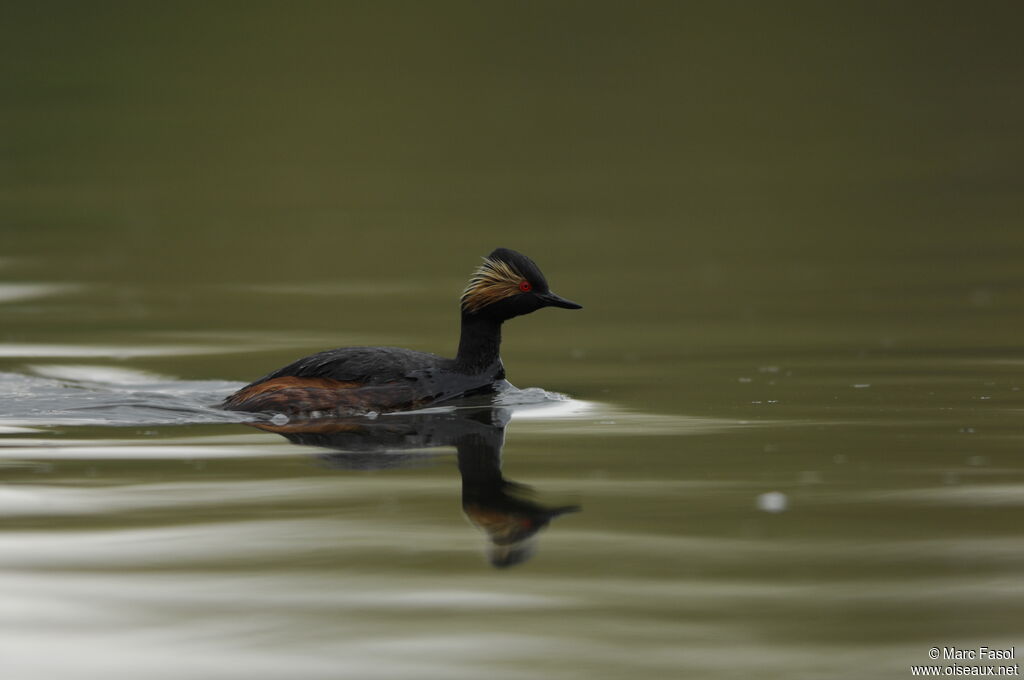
<point x="364" y="380"/>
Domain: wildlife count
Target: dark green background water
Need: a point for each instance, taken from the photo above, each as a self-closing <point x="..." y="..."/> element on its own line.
<point x="796" y="231"/>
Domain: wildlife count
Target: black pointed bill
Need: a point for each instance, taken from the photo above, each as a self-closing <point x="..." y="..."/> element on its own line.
<point x="552" y="300"/>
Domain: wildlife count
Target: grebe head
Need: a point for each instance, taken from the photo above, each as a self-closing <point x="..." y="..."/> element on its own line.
<point x="509" y="284"/>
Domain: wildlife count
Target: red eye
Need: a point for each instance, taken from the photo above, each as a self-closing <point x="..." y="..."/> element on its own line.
<point x="525" y="286"/>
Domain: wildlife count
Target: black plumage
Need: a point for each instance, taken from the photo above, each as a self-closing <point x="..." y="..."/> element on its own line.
<point x="366" y="365"/>
<point x="354" y="380"/>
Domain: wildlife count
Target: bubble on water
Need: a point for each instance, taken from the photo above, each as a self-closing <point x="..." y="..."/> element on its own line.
<point x="746" y="380"/>
<point x="279" y="419"/>
<point x="773" y="501"/>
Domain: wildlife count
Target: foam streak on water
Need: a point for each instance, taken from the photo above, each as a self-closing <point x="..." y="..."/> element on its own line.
<point x="101" y="395"/>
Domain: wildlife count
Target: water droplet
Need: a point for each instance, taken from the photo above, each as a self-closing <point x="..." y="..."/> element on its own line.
<point x="279" y="419"/>
<point x="773" y="501"/>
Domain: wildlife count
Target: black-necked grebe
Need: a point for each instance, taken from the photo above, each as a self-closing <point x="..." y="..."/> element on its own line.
<point x="360" y="380"/>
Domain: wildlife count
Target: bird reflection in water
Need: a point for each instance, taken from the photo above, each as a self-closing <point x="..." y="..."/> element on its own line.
<point x="501" y="508"/>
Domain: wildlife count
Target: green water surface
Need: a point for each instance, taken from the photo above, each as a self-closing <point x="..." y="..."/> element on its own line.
<point x="796" y="232"/>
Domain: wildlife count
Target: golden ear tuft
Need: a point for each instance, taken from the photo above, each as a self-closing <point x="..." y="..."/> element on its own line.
<point x="494" y="280"/>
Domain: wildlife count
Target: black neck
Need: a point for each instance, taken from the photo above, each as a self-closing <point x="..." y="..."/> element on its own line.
<point x="479" y="344"/>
